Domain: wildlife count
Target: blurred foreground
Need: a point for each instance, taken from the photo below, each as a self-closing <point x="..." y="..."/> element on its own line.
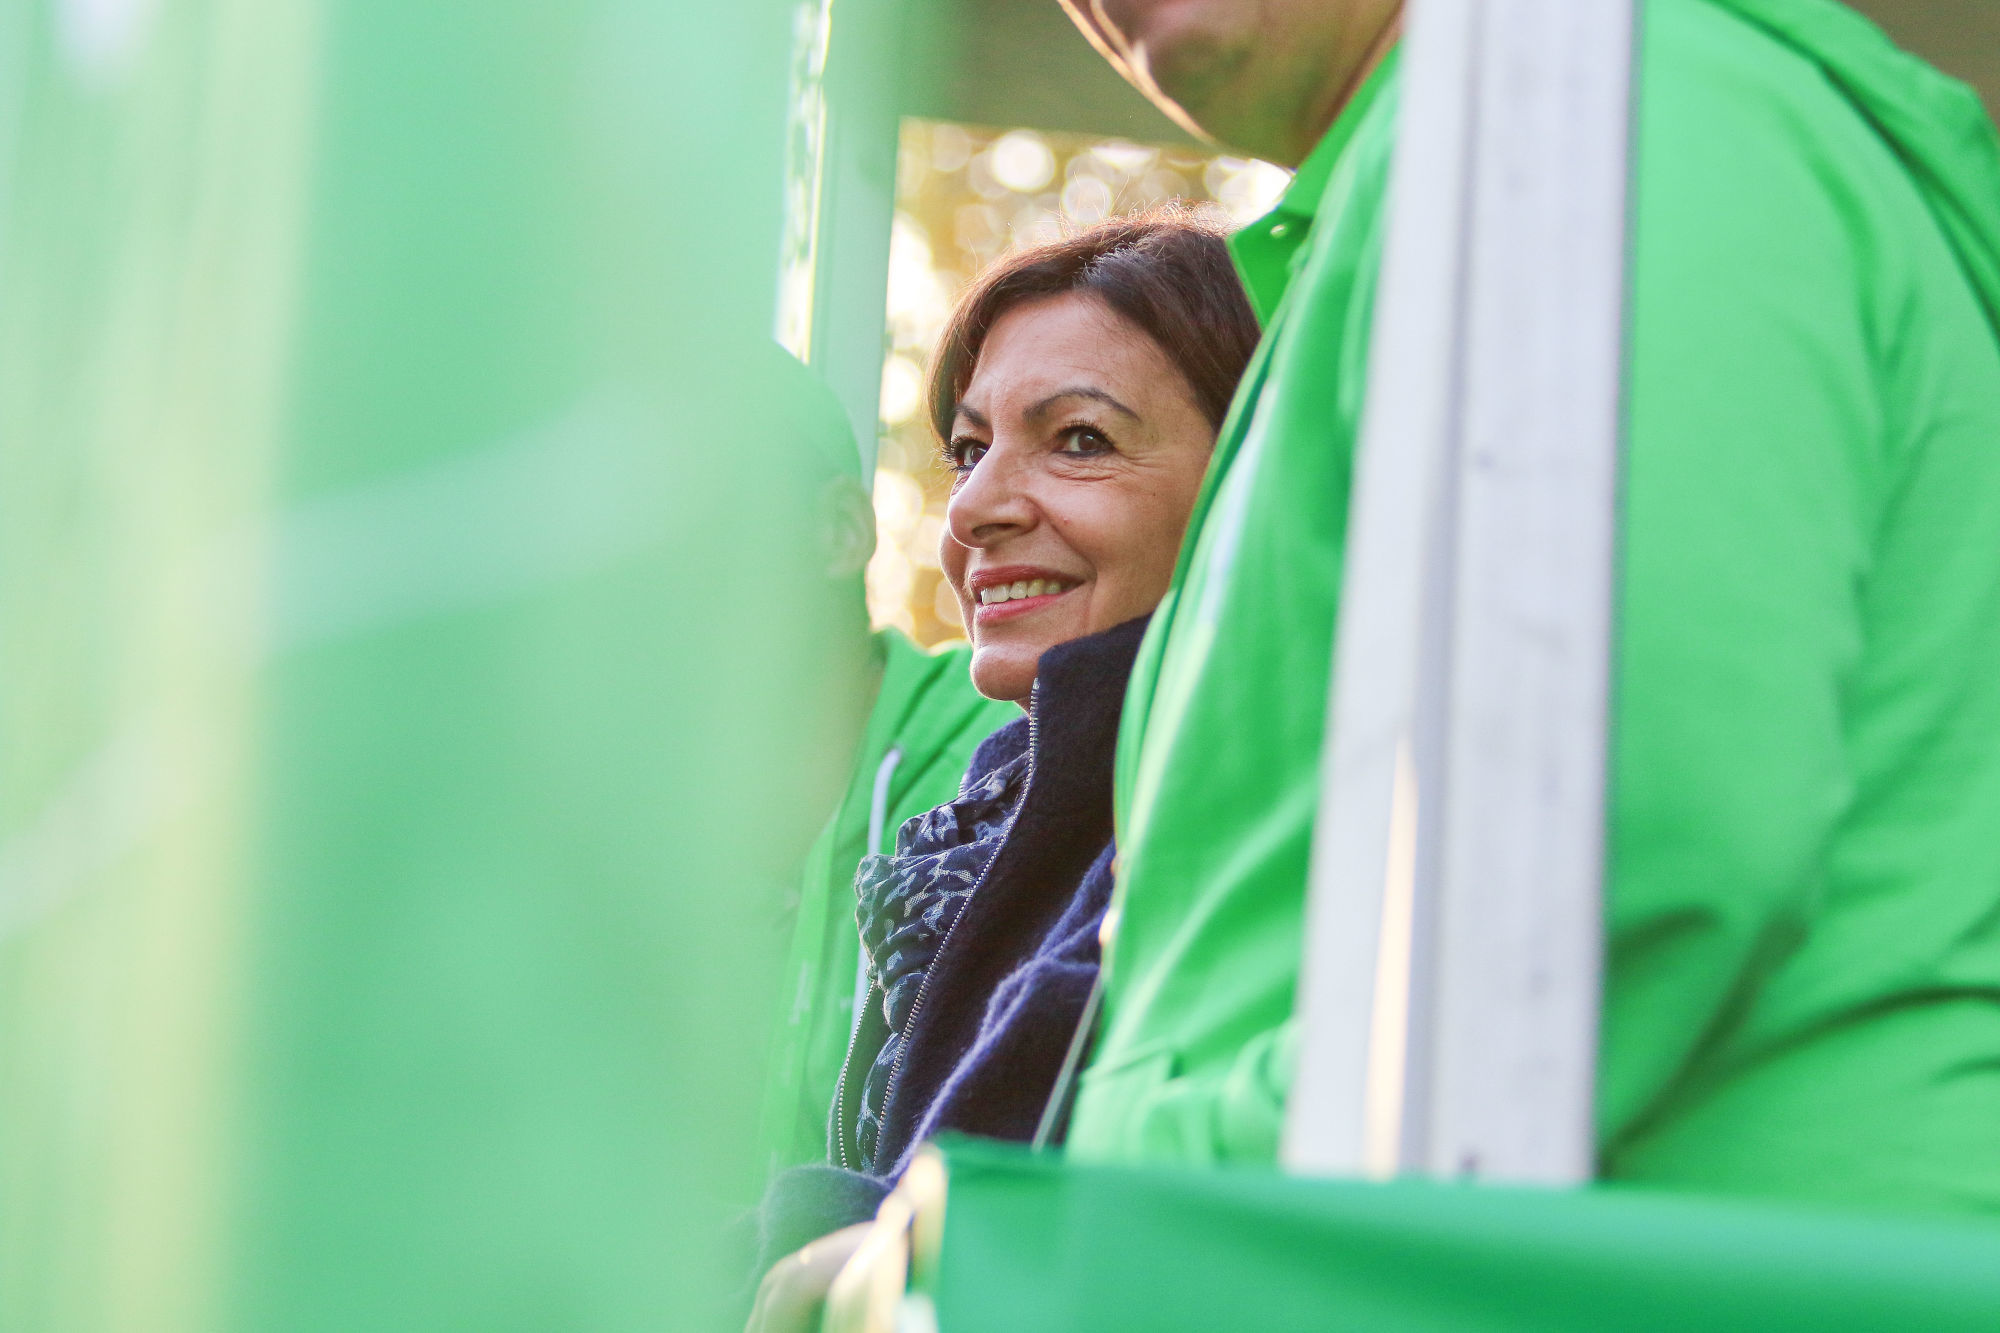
<point x="425" y="652"/>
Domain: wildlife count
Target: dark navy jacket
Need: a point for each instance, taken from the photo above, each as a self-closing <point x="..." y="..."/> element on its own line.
<point x="1009" y="984"/>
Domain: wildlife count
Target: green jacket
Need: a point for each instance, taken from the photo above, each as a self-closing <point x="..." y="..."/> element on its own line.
<point x="930" y="719"/>
<point x="1803" y="987"/>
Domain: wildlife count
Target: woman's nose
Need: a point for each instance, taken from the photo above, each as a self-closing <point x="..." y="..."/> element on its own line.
<point x="992" y="503"/>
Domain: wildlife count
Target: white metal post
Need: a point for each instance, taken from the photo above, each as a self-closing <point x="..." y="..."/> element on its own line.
<point x="1450" y="983"/>
<point x="841" y="200"/>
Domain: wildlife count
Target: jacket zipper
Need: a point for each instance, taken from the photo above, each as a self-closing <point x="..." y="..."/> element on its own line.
<point x="840" y="1084"/>
<point x="878" y="823"/>
<point x="924" y="988"/>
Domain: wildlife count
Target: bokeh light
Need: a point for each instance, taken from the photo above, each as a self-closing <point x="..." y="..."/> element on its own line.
<point x="902" y="389"/>
<point x="1022" y="162"/>
<point x="1245" y="188"/>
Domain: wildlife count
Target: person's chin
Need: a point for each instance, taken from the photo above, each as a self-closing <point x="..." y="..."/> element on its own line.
<point x="1164" y="26"/>
<point x="1004" y="673"/>
<point x="1189" y="57"/>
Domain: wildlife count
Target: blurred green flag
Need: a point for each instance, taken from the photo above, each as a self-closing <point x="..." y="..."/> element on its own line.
<point x="424" y="657"/>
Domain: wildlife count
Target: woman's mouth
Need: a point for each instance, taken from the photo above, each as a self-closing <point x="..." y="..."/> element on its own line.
<point x="1004" y="601"/>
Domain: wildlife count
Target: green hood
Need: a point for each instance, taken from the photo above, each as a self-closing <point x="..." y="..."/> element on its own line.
<point x="1935" y="124"/>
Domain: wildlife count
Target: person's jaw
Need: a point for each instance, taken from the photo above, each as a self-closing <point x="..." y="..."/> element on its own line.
<point x="1007" y="649"/>
<point x="1213" y="68"/>
<point x="1182" y="54"/>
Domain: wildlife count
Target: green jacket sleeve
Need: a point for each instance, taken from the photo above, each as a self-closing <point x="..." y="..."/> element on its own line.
<point x="1801" y="956"/>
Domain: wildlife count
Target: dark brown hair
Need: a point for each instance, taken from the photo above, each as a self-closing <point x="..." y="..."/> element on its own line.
<point x="1167" y="271"/>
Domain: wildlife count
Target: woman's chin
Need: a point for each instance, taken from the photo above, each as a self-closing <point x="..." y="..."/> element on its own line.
<point x="1005" y="672"/>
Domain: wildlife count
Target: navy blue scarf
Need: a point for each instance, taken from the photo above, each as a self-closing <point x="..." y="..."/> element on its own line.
<point x="910" y="900"/>
<point x="1005" y="960"/>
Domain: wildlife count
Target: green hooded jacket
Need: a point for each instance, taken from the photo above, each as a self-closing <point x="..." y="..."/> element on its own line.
<point x="925" y="724"/>
<point x="1803" y="986"/>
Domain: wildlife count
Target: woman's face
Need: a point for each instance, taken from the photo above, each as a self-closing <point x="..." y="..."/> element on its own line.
<point x="1079" y="450"/>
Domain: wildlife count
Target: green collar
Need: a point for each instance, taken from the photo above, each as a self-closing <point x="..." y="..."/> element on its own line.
<point x="1265" y="250"/>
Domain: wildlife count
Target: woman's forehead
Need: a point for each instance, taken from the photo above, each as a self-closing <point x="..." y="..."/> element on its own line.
<point x="1062" y="344"/>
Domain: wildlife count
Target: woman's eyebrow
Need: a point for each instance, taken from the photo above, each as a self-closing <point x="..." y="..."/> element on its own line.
<point x="972" y="415"/>
<point x="1042" y="408"/>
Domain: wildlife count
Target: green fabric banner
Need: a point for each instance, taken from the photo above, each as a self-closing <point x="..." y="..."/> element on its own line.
<point x="420" y="667"/>
<point x="1030" y="1243"/>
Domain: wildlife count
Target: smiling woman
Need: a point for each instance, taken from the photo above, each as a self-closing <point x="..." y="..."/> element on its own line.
<point x="1076" y="393"/>
<point x="1078" y="451"/>
<point x="955" y="217"/>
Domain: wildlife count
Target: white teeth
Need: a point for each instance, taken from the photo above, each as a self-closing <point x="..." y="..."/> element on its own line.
<point x="1007" y="592"/>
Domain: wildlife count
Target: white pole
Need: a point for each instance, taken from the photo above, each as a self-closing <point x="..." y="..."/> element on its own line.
<point x="841" y="201"/>
<point x="1450" y="987"/>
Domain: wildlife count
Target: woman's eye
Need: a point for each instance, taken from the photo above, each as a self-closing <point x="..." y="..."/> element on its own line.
<point x="965" y="454"/>
<point x="1082" y="440"/>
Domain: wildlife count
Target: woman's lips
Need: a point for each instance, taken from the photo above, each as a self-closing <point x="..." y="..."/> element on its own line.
<point x="1023" y="597"/>
<point x="1014" y="610"/>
